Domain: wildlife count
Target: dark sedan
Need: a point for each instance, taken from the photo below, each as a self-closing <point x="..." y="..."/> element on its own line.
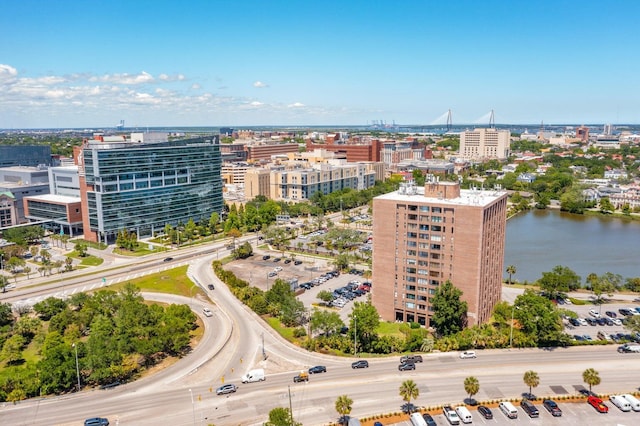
<point x="406" y="366"/>
<point x="428" y="419"/>
<point x="318" y="369"/>
<point x="485" y="412"/>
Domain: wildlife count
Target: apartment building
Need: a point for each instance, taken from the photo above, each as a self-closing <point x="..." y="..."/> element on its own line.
<point x="423" y="237"/>
<point x="480" y="144"/>
<point x="145" y="182"/>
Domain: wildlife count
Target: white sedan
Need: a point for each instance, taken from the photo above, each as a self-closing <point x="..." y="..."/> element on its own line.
<point x="207" y="312"/>
<point x="467" y="354"/>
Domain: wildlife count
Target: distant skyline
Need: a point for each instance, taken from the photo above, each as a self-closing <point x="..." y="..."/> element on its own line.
<point x="74" y="64"/>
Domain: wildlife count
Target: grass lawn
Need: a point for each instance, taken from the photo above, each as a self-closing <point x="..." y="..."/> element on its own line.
<point x="173" y="281"/>
<point x="389" y="329"/>
<point x="141" y="250"/>
<point x="286" y="332"/>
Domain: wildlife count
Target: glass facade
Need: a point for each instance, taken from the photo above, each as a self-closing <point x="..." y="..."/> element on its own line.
<point x="141" y="187"/>
<point x="25" y="155"/>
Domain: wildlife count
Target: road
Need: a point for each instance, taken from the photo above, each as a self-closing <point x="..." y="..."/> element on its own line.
<point x="184" y="393"/>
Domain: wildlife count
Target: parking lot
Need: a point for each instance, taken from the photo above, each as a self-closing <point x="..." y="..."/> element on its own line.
<point x="588" y="321"/>
<point x="573" y="414"/>
<point x="261" y="272"/>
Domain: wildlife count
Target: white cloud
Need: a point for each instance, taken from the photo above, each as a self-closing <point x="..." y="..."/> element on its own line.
<point x="260" y="85"/>
<point x="85" y="99"/>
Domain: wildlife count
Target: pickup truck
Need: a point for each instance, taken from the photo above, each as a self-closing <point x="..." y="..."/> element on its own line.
<point x="628" y="348"/>
<point x="302" y="377"/>
<point x="451" y="415"/>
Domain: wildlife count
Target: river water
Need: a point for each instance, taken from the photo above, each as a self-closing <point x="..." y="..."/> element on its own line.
<point x="538" y="240"/>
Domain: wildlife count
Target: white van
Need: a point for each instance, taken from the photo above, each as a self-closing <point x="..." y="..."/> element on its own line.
<point x="464" y="414"/>
<point x="254" y="376"/>
<point x="508" y="409"/>
<point x="633" y="401"/>
<point x="417" y="420"/>
<point x="620" y="402"/>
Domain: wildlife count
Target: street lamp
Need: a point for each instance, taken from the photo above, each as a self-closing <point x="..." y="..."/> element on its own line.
<point x="513" y="310"/>
<point x="193" y="407"/>
<point x="77" y="365"/>
<point x="355" y="336"/>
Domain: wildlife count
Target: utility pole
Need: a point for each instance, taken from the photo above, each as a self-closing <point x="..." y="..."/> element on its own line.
<point x="77" y="365"/>
<point x="355" y="336"/>
<point x="290" y="406"/>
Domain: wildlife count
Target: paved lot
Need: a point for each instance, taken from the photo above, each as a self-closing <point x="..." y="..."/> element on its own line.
<point x="592" y="330"/>
<point x="573" y="414"/>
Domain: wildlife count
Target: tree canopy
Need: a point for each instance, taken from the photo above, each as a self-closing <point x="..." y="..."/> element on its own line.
<point x="449" y="311"/>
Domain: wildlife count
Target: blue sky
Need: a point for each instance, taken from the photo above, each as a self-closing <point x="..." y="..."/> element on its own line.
<point x="235" y="62"/>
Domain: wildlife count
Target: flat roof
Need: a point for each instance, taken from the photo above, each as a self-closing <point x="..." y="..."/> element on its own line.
<point x="61" y="199"/>
<point x="468" y="197"/>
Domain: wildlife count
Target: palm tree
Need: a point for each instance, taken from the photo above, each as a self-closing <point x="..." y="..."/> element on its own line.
<point x="344" y="405"/>
<point x="531" y="379"/>
<point x="471" y="386"/>
<point x="408" y="391"/>
<point x="511" y="270"/>
<point x="591" y="377"/>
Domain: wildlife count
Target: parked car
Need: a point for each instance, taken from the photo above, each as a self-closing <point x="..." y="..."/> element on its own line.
<point x="225" y="389"/>
<point x="574" y="322"/>
<point x="591" y="321"/>
<point x="318" y="369"/>
<point x="485" y="412"/>
<point x="406" y="366"/>
<point x="467" y="354"/>
<point x="360" y="364"/>
<point x="597" y="403"/>
<point x="297" y="262"/>
<point x="287" y="261"/>
<point x="266" y="257"/>
<point x="96" y="421"/>
<point x="428" y="419"/>
<point x="611" y="314"/>
<point x="594" y="313"/>
<point x="582" y="321"/>
<point x="552" y="407"/>
<point x="529" y="408"/>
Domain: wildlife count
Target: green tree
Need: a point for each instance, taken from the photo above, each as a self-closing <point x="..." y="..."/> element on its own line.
<point x="12" y="348"/>
<point x="449" y="311"/>
<point x="4" y="282"/>
<point x="511" y="270"/>
<point x="409" y="391"/>
<point x="364" y="322"/>
<point x="559" y="281"/>
<point x="6" y="316"/>
<point x="325" y="295"/>
<point x="605" y="206"/>
<point x="591" y="377"/>
<point x="281" y="416"/>
<point x="344" y="405"/>
<point x="471" y="386"/>
<point x="539" y="319"/>
<point x="81" y="249"/>
<point x="49" y="307"/>
<point x="326" y="322"/>
<point x="606" y="283"/>
<point x="531" y="379"/>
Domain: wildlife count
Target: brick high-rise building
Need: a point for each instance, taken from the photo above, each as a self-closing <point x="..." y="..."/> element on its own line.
<point x="423" y="237"/>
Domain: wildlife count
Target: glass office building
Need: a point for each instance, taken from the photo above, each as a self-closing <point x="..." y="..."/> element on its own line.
<point x="25" y="155"/>
<point x="142" y="186"/>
